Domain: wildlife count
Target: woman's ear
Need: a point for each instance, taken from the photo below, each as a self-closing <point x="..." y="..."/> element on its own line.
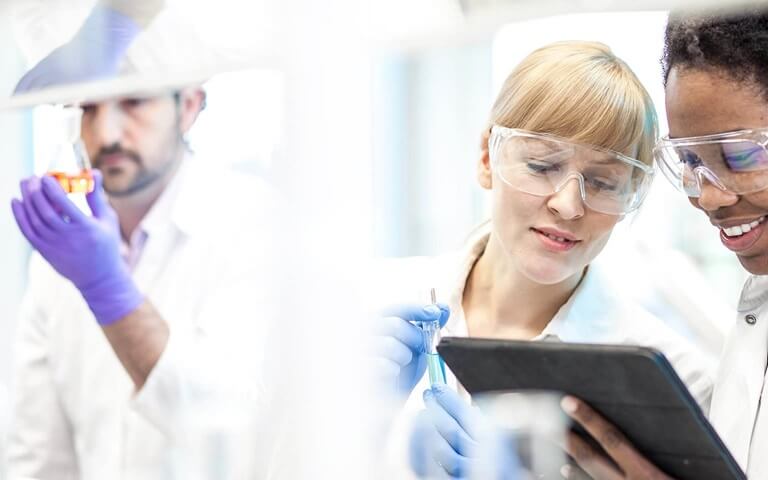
<point x="484" y="174"/>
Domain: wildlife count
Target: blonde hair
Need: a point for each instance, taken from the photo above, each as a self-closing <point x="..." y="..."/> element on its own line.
<point x="581" y="91"/>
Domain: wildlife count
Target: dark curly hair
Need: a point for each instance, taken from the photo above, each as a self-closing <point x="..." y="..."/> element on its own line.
<point x="734" y="44"/>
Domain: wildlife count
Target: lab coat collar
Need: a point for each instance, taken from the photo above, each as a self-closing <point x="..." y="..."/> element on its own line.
<point x="754" y="293"/>
<point x="179" y="206"/>
<point x="741" y="373"/>
<point x="474" y="247"/>
<point x="157" y="218"/>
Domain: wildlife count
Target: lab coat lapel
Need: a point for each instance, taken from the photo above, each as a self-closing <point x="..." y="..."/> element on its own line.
<point x="166" y="225"/>
<point x="740" y="380"/>
<point x="758" y="461"/>
<point x="155" y="256"/>
<point x="588" y="315"/>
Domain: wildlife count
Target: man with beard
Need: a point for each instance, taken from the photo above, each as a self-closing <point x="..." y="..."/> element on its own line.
<point x="138" y="331"/>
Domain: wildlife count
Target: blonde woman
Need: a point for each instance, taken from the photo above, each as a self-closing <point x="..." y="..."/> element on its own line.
<point x="566" y="155"/>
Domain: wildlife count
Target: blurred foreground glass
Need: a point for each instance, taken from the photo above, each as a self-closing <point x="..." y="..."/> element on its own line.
<point x="522" y="437"/>
<point x="220" y="440"/>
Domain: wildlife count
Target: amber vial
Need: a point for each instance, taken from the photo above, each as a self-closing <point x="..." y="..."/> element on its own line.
<point x="75" y="183"/>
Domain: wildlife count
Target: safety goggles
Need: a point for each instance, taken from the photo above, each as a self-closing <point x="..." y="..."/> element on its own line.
<point x="542" y="164"/>
<point x="733" y="161"/>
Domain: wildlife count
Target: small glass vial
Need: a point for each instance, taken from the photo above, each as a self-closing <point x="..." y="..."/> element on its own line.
<point x="431" y="333"/>
<point x="71" y="166"/>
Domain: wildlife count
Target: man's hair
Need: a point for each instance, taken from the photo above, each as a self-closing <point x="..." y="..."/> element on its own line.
<point x="734" y="44"/>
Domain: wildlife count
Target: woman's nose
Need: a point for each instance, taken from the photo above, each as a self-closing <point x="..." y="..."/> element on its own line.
<point x="712" y="197"/>
<point x="567" y="202"/>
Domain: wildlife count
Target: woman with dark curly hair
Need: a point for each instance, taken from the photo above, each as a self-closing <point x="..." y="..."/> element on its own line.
<point x="716" y="153"/>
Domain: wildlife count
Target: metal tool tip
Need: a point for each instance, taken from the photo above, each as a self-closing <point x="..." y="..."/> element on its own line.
<point x="433" y="295"/>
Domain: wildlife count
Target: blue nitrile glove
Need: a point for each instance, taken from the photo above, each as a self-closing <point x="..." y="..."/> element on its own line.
<point x="83" y="249"/>
<point x="446" y="437"/>
<point x="95" y="52"/>
<point x="399" y="344"/>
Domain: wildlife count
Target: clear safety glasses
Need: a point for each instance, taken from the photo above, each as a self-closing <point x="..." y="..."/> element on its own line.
<point x="542" y="164"/>
<point x="736" y="162"/>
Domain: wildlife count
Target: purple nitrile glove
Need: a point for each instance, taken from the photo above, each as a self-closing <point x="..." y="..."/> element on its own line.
<point x="83" y="249"/>
<point x="95" y="52"/>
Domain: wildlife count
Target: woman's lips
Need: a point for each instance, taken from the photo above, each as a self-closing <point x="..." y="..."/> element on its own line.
<point x="555" y="243"/>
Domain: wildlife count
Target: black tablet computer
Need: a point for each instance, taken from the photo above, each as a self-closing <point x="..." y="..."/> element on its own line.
<point x="633" y="387"/>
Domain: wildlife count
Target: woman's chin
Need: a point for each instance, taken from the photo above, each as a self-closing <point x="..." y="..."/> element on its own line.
<point x="756" y="264"/>
<point x="548" y="273"/>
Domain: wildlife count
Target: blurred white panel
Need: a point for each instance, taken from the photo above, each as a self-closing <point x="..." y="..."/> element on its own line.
<point x="431" y="107"/>
<point x="198" y="35"/>
<point x="39" y="26"/>
<point x="243" y="121"/>
<point x="192" y="39"/>
<point x="188" y="42"/>
<point x="15" y="135"/>
<point x="186" y="35"/>
<point x="323" y="173"/>
<point x="432" y="23"/>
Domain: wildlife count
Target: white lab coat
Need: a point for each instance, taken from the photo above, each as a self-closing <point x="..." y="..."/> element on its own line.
<point x="738" y="410"/>
<point x="595" y="313"/>
<point x="205" y="268"/>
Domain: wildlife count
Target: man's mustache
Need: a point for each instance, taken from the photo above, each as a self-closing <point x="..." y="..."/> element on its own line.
<point x="115" y="150"/>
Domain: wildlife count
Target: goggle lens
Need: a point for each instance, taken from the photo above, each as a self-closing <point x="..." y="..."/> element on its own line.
<point x="541" y="165"/>
<point x="731" y="164"/>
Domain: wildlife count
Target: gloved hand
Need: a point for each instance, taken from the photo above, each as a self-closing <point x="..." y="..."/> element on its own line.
<point x="95" y="52"/>
<point x="447" y="436"/>
<point x="83" y="249"/>
<point x="399" y="344"/>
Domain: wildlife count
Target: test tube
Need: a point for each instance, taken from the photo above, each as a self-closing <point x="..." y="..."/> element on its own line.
<point x="431" y="332"/>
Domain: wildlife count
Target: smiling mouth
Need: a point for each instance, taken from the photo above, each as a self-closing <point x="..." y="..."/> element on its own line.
<point x="739" y="230"/>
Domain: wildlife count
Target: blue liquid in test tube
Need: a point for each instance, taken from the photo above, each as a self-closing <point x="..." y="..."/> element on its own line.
<point x="431" y="331"/>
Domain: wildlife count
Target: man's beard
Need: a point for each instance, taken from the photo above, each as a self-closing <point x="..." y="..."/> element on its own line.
<point x="143" y="177"/>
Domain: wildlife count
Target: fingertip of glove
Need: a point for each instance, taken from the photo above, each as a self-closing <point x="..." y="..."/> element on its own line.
<point x="433" y="311"/>
<point x="34" y="184"/>
<point x="428" y="395"/>
<point x="49" y="183"/>
<point x="445" y="313"/>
